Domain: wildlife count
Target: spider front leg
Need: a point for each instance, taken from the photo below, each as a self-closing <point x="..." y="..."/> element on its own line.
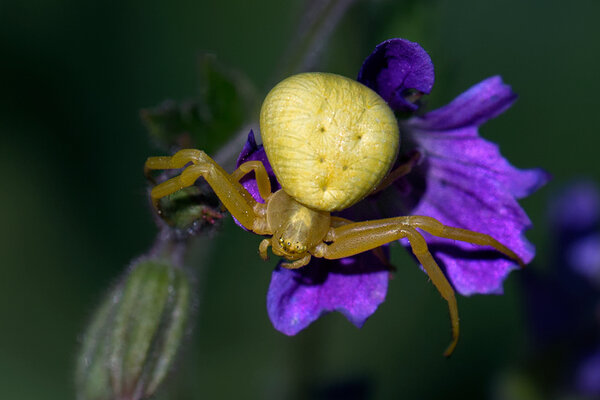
<point x="299" y="263"/>
<point x="350" y="239"/>
<point x="231" y="193"/>
<point x="261" y="175"/>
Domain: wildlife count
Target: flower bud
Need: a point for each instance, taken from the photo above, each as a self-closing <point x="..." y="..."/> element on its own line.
<point x="192" y="210"/>
<point x="134" y="336"/>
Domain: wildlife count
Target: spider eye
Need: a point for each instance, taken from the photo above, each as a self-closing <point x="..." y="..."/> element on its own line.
<point x="292" y="246"/>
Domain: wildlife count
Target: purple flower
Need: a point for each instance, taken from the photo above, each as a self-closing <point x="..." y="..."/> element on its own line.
<point x="468" y="184"/>
<point x="575" y="221"/>
<point x="461" y="180"/>
<point x="563" y="302"/>
<point x="587" y="375"/>
<point x="566" y="295"/>
<point x="252" y="152"/>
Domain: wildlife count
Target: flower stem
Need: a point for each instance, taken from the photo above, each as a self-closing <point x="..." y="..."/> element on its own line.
<point x="167" y="246"/>
<point x="316" y="26"/>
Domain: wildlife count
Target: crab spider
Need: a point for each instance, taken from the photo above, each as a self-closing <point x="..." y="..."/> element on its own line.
<point x="331" y="141"/>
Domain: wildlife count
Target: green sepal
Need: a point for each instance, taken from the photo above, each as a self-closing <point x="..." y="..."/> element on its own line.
<point x="225" y="102"/>
<point x="134" y="335"/>
<point x="191" y="210"/>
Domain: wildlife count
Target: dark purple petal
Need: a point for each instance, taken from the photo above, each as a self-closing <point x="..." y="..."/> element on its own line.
<point x="584" y="258"/>
<point x="466" y="183"/>
<point x="249" y="150"/>
<point x="576" y="209"/>
<point x="395" y="70"/>
<point x="354" y="286"/>
<point x="563" y="301"/>
<point x="253" y="152"/>
<point x="575" y="224"/>
<point x="588" y="375"/>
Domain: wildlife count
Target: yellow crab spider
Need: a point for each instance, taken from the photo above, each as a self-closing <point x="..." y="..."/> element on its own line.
<point x="331" y="141"/>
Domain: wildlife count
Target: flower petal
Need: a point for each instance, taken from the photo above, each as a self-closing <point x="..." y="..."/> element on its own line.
<point x="466" y="183"/>
<point x="574" y="216"/>
<point x="576" y="210"/>
<point x="354" y="286"/>
<point x="252" y="152"/>
<point x="584" y="257"/>
<point x="588" y="375"/>
<point x="395" y="69"/>
<point x="477" y="105"/>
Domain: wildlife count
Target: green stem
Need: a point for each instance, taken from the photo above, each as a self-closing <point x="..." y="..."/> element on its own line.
<point x="318" y="23"/>
<point x="168" y="247"/>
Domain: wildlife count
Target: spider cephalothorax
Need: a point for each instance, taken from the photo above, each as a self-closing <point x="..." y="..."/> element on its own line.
<point x="331" y="141"/>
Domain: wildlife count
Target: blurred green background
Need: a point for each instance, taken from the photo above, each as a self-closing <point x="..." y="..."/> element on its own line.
<point x="73" y="77"/>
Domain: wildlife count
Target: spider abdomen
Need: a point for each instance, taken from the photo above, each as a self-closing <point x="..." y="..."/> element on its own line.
<point x="329" y="139"/>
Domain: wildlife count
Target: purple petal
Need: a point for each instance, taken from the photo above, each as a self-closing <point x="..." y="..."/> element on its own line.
<point x="562" y="302"/>
<point x="477" y="105"/>
<point x="466" y="183"/>
<point x="577" y="208"/>
<point x="252" y="152"/>
<point x="354" y="286"/>
<point x="575" y="222"/>
<point x="583" y="257"/>
<point x="395" y="69"/>
<point x="247" y="153"/>
<point x="588" y="375"/>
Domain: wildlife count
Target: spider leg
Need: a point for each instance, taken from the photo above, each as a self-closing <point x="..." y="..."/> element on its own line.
<point x="231" y="193"/>
<point x="298" y="263"/>
<point x="339" y="221"/>
<point x="178" y="160"/>
<point x="399" y="172"/>
<point x="262" y="178"/>
<point x="378" y="251"/>
<point x="439" y="280"/>
<point x="436" y="228"/>
<point x="362" y="236"/>
<point x="262" y="249"/>
<point x="349" y="239"/>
